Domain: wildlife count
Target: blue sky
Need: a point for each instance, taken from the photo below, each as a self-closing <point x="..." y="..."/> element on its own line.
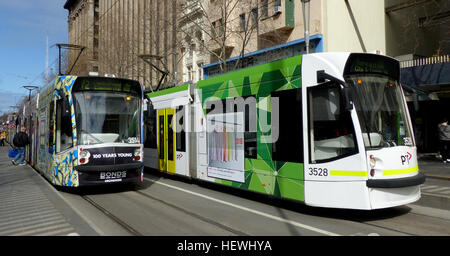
<point x="24" y="26"/>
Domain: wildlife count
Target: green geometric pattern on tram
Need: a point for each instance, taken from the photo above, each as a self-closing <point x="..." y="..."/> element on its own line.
<point x="283" y="179"/>
<point x="290" y="178"/>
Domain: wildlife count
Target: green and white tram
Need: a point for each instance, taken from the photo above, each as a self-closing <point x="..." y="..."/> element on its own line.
<point x="326" y="129"/>
<point x="90" y="130"/>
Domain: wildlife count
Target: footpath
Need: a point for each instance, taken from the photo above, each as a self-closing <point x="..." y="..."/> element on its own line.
<point x="30" y="206"/>
<point x="436" y="190"/>
<point x="432" y="167"/>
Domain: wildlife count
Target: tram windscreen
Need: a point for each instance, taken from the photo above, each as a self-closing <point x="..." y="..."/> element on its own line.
<point x="381" y="110"/>
<point x="107" y="117"/>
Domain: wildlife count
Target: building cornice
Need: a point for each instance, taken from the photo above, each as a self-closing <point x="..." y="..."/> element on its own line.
<point x="69" y="3"/>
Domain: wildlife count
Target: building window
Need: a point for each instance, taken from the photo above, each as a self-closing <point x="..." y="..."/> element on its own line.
<point x="213" y="29"/>
<point x="264" y="8"/>
<point x="277" y="3"/>
<point x="189" y="70"/>
<point x="255" y="17"/>
<point x="217" y="28"/>
<point x="242" y="22"/>
<point x="200" y="71"/>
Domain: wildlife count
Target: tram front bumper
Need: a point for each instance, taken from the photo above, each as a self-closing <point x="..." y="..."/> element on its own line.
<point x="108" y="174"/>
<point x="384" y="193"/>
<point x="397" y="183"/>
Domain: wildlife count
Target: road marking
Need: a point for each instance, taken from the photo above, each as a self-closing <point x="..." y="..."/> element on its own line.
<point x="437" y="189"/>
<point x="294" y="223"/>
<point x="428" y="187"/>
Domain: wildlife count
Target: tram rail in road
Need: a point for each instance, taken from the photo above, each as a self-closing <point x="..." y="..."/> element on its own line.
<point x="290" y="222"/>
<point x="172" y="207"/>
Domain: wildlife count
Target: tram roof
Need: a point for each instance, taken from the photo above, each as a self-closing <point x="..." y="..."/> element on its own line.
<point x="168" y="90"/>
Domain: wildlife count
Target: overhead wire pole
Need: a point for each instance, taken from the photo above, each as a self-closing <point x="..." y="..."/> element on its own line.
<point x="355" y="25"/>
<point x="30" y="88"/>
<point x="69" y="46"/>
<point x="145" y="58"/>
<point x="306" y="11"/>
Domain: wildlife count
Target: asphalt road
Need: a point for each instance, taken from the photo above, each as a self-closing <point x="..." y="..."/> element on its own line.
<point x="164" y="206"/>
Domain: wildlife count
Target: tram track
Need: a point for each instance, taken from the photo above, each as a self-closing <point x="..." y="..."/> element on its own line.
<point x="131" y="230"/>
<point x="113" y="217"/>
<point x="387" y="228"/>
<point x="415" y="221"/>
<point x="190" y="213"/>
<point x="398" y="221"/>
<point x="379" y="225"/>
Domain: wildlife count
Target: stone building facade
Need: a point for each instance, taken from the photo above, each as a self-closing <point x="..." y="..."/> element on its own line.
<point x="117" y="32"/>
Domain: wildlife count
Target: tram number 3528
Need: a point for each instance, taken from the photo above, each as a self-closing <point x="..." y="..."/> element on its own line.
<point x="318" y="171"/>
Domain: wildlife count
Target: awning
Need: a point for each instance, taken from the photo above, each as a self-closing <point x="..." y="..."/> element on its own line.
<point x="429" y="82"/>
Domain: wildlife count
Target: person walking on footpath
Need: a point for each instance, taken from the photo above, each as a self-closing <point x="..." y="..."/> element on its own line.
<point x="2" y="138"/>
<point x="444" y="140"/>
<point x="20" y="141"/>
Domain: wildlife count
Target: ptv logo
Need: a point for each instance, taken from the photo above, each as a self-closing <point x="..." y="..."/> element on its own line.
<point x="405" y="158"/>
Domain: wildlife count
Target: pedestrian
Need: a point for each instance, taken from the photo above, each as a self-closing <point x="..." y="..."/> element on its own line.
<point x="2" y="138"/>
<point x="444" y="140"/>
<point x="20" y="141"/>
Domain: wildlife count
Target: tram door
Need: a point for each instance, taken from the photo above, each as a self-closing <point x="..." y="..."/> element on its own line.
<point x="166" y="140"/>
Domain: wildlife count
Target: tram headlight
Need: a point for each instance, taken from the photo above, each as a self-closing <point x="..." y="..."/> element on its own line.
<point x="372" y="161"/>
<point x="137" y="154"/>
<point x="83" y="156"/>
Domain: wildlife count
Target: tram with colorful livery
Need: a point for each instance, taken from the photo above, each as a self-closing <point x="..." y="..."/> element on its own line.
<point x="89" y="131"/>
<point x="325" y="129"/>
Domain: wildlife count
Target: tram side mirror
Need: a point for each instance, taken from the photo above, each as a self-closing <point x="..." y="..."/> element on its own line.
<point x="348" y="99"/>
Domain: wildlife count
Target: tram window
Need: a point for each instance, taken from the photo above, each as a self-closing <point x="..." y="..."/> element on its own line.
<point x="51" y="126"/>
<point x="161" y="137"/>
<point x="150" y="128"/>
<point x="287" y="136"/>
<point x="63" y="125"/>
<point x="180" y="129"/>
<point x="332" y="134"/>
<point x="247" y="105"/>
<point x="170" y="137"/>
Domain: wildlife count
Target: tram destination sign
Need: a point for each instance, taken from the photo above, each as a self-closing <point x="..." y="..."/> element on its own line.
<point x="107" y="84"/>
<point x="372" y="64"/>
